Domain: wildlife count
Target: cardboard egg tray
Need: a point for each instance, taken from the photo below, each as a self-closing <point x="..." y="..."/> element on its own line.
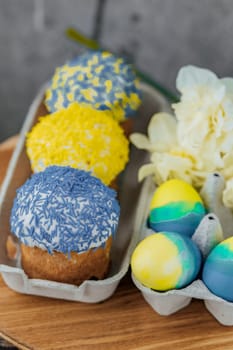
<point x="18" y="172"/>
<point x="134" y="200"/>
<point x="169" y="302"/>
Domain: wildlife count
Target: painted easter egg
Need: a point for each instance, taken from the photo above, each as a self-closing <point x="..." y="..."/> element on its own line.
<point x="176" y="207"/>
<point x="218" y="270"/>
<point x="166" y="260"/>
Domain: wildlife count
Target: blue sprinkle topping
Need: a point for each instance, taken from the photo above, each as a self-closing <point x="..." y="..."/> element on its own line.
<point x="64" y="209"/>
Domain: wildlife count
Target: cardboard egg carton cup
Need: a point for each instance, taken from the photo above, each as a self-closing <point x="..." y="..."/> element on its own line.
<point x="217" y="223"/>
<point x="19" y="171"/>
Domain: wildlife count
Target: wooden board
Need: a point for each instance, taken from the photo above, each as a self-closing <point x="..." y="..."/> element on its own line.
<point x="125" y="321"/>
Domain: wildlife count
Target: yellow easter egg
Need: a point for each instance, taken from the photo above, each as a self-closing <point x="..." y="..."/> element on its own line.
<point x="166" y="260"/>
<point x="177" y="207"/>
<point x="173" y="191"/>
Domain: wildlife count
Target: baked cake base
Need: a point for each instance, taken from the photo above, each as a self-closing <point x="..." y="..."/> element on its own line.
<point x="77" y="268"/>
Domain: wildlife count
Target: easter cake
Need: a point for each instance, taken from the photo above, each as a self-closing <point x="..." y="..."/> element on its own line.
<point x="65" y="219"/>
<point x="98" y="79"/>
<point x="81" y="137"/>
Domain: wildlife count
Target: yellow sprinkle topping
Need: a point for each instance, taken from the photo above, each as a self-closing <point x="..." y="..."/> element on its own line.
<point x="108" y="85"/>
<point x="95" y="81"/>
<point x="134" y="101"/>
<point x="99" y="69"/>
<point x="81" y="137"/>
<point x="60" y="100"/>
<point x="89" y="94"/>
<point x="80" y="77"/>
<point x="117" y="67"/>
<point x="70" y="96"/>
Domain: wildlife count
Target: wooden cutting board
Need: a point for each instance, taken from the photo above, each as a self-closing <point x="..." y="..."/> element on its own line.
<point x="125" y="321"/>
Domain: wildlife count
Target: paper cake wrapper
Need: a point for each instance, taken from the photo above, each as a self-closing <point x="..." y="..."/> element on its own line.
<point x="169" y="302"/>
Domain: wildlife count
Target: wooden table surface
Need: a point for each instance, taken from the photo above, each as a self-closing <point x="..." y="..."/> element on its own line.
<point x="125" y="321"/>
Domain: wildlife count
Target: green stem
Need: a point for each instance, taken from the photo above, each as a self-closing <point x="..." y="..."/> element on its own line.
<point x="161" y="88"/>
<point x="77" y="36"/>
<point x="80" y="38"/>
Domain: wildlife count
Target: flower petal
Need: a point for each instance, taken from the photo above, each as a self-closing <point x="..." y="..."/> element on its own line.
<point x="228" y="194"/>
<point x="190" y="76"/>
<point x="146" y="170"/>
<point x="162" y="131"/>
<point x="228" y="83"/>
<point x="227" y="170"/>
<point x="140" y="141"/>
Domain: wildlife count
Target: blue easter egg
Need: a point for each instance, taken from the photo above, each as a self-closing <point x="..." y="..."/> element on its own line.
<point x="218" y="270"/>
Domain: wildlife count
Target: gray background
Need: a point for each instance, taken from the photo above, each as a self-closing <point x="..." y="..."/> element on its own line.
<point x="159" y="36"/>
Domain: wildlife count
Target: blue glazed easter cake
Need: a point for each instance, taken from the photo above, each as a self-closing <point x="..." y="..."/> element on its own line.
<point x="65" y="220"/>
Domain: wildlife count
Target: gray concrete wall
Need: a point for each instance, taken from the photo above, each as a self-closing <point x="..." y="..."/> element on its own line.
<point x="159" y="36"/>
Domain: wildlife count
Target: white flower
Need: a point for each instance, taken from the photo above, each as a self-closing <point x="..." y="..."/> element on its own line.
<point x="161" y="134"/>
<point x="198" y="140"/>
<point x="205" y="110"/>
<point x="168" y="160"/>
